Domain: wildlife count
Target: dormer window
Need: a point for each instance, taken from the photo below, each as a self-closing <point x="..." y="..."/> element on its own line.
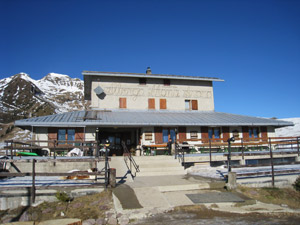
<point x="167" y="82"/>
<point x="143" y="81"/>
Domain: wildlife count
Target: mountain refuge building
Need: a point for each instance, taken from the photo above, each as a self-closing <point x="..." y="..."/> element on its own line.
<point x="144" y="109"/>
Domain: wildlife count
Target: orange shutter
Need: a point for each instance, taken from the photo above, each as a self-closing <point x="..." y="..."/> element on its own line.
<point x="151" y="103"/>
<point x="264" y="133"/>
<point x="52" y="134"/>
<point x="182" y="134"/>
<point x="158" y="135"/>
<point x="163" y="103"/>
<point x="204" y="134"/>
<point x="245" y="131"/>
<point x="123" y="103"/>
<point x="226" y="134"/>
<point x="79" y="134"/>
<point x="194" y="105"/>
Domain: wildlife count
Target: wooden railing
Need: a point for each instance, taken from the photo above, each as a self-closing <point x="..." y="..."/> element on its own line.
<point x="78" y="174"/>
<point x="53" y="147"/>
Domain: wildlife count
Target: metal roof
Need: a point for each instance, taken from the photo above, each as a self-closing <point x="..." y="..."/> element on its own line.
<point x="129" y="118"/>
<point x="143" y="75"/>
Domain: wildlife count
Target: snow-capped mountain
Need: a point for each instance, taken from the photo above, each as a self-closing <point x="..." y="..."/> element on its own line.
<point x="291" y="131"/>
<point x="22" y="96"/>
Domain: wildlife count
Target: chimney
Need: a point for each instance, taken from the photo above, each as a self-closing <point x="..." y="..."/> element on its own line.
<point x="148" y="71"/>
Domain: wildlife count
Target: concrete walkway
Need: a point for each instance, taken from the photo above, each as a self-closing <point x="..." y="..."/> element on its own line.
<point x="147" y="196"/>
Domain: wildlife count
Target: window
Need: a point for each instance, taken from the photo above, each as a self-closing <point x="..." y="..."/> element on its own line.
<point x="71" y="134"/>
<point x="163" y="103"/>
<point x="122" y="103"/>
<point x="167" y="82"/>
<point x="253" y="132"/>
<point x="66" y="134"/>
<point x="61" y="135"/>
<point x="143" y="81"/>
<point x="151" y="103"/>
<point x="194" y="134"/>
<point x="236" y="134"/>
<point x="165" y="135"/>
<point x="148" y="136"/>
<point x="214" y="133"/>
<point x="191" y="104"/>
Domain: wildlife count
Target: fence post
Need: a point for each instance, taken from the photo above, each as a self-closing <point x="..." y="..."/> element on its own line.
<point x="210" y="152"/>
<point x="6" y="149"/>
<point x="183" y="160"/>
<point x="106" y="167"/>
<point x="33" y="182"/>
<point x="272" y="164"/>
<point x="11" y="149"/>
<point x="112" y="177"/>
<point x="96" y="167"/>
<point x="298" y="145"/>
<point x="54" y="149"/>
<point x="243" y="156"/>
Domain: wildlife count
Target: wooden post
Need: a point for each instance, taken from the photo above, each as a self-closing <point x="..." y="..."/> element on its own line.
<point x="112" y="177"/>
<point x="210" y="152"/>
<point x="11" y="149"/>
<point x="243" y="156"/>
<point x="6" y="149"/>
<point x="272" y="164"/>
<point x="106" y="168"/>
<point x="54" y="149"/>
<point x="96" y="167"/>
<point x="298" y="145"/>
<point x="33" y="182"/>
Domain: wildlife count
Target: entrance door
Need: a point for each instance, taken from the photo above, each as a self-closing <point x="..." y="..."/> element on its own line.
<point x="168" y="133"/>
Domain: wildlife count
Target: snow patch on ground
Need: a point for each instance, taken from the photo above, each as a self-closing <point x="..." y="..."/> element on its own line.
<point x="221" y="171"/>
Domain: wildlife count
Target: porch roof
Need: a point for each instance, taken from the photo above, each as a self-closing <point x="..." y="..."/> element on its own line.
<point x="129" y="118"/>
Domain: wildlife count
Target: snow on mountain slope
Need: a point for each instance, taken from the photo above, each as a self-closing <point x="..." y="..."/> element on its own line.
<point x="291" y="131"/>
<point x="22" y="96"/>
<point x="68" y="91"/>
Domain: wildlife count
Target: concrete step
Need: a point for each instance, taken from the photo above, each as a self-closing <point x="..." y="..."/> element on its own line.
<point x="160" y="173"/>
<point x="159" y="164"/>
<point x="161" y="169"/>
<point x="154" y="158"/>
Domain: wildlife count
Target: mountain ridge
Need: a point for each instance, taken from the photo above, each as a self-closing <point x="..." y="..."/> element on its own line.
<point x="24" y="97"/>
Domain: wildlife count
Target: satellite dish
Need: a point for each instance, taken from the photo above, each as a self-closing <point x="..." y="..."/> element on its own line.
<point x="99" y="92"/>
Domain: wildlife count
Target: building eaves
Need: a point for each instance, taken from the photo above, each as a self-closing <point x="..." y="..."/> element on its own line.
<point x="127" y="118"/>
<point x="151" y="76"/>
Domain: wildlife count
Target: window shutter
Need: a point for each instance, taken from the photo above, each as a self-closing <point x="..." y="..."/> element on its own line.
<point x="264" y="133"/>
<point x="245" y="131"/>
<point x="123" y="103"/>
<point x="158" y="135"/>
<point x="52" y="135"/>
<point x="151" y="103"/>
<point x="182" y="134"/>
<point x="204" y="134"/>
<point x="79" y="134"/>
<point x="163" y="104"/>
<point x="226" y="134"/>
<point x="194" y="105"/>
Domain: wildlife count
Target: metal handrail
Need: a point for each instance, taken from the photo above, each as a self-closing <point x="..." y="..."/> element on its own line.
<point x="128" y="156"/>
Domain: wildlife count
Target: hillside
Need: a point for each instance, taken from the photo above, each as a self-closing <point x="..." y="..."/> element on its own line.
<point x="23" y="97"/>
<point x="293" y="131"/>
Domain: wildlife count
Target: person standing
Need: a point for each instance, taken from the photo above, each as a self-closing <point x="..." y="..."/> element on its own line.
<point x="169" y="145"/>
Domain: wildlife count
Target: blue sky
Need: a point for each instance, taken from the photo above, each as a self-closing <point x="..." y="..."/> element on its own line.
<point x="253" y="45"/>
